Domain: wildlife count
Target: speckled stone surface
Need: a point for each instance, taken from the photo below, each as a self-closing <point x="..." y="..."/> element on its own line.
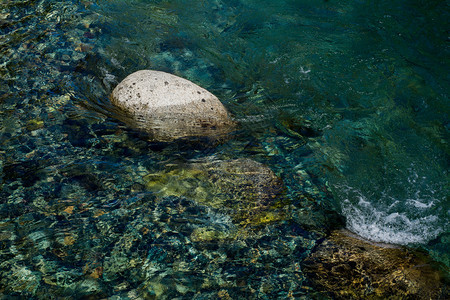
<point x="169" y="106"/>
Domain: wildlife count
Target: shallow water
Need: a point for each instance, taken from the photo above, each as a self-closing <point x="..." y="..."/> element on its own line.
<point x="347" y="103"/>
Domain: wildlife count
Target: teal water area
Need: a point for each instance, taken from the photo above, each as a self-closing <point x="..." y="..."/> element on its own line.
<point x="345" y="101"/>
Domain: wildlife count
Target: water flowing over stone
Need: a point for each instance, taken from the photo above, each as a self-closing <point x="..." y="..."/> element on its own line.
<point x="348" y="267"/>
<point x="170" y="107"/>
<point x="243" y="188"/>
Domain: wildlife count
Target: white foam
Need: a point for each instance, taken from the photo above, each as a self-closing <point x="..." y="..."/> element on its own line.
<point x="418" y="204"/>
<point x="304" y="71"/>
<point x="389" y="224"/>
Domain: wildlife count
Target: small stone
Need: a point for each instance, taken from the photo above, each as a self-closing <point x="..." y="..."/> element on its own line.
<point x="181" y="289"/>
<point x="97" y="273"/>
<point x="69" y="240"/>
<point x="4" y="16"/>
<point x="207" y="234"/>
<point x="34" y="124"/>
<point x="154" y="290"/>
<point x="84" y="47"/>
<point x="223" y="294"/>
<point x="169" y="107"/>
<point x="69" y="209"/>
<point x="23" y="280"/>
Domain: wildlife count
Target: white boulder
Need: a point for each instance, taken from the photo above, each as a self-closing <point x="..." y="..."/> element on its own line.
<point x="169" y="107"/>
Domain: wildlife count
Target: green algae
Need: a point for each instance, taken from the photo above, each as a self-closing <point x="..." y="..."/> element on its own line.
<point x="241" y="187"/>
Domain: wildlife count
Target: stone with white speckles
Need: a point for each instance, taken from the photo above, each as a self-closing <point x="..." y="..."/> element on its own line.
<point x="170" y="107"/>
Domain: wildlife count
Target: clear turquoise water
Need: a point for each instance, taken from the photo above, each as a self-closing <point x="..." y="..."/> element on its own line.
<point x="346" y="101"/>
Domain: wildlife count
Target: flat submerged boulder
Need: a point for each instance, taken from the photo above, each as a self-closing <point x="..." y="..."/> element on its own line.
<point x="242" y="188"/>
<point x="346" y="266"/>
<point x="169" y="107"/>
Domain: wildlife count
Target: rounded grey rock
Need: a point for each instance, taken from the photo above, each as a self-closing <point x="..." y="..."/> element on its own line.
<point x="169" y="107"/>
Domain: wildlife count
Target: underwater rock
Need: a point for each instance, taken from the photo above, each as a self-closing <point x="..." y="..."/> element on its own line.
<point x="348" y="267"/>
<point x="241" y="188"/>
<point x="169" y="107"/>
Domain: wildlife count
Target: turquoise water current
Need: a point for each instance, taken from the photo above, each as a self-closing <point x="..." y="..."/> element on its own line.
<point x="346" y="101"/>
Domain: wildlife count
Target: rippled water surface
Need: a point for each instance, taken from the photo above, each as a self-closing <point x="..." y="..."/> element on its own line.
<point x="346" y="102"/>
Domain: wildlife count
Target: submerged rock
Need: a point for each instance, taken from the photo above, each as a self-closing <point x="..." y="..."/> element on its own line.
<point x="348" y="267"/>
<point x="242" y="188"/>
<point x="170" y="107"/>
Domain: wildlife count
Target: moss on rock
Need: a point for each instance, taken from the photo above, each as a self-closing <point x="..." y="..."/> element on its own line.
<point x="348" y="267"/>
<point x="242" y="188"/>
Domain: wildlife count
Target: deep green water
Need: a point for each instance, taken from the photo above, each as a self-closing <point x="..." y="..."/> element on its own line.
<point x="346" y="101"/>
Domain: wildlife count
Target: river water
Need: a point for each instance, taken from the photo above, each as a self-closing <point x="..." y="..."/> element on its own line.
<point x="345" y="101"/>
